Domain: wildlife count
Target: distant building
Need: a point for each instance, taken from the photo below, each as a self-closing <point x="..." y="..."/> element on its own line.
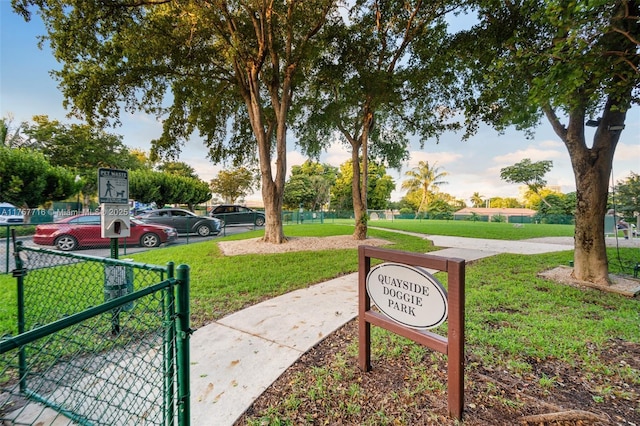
<point x="489" y="213"/>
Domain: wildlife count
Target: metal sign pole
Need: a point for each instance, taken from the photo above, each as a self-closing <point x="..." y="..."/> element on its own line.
<point x="114" y="248"/>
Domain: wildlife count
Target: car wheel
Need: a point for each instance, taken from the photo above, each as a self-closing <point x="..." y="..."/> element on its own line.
<point x="66" y="243"/>
<point x="150" y="240"/>
<point x="259" y="221"/>
<point x="203" y="230"/>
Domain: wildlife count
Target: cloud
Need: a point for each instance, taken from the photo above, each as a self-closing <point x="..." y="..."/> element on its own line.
<point x="337" y="154"/>
<point x="549" y="143"/>
<point x="535" y="154"/>
<point x="441" y="158"/>
<point x="625" y="151"/>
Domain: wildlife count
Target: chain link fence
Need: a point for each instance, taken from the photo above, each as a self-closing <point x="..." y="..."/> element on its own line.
<point x="94" y="341"/>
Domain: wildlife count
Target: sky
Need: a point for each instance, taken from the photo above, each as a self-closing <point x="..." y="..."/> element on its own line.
<point x="27" y="89"/>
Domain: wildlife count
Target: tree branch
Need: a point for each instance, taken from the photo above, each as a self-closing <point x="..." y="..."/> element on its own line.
<point x="558" y="127"/>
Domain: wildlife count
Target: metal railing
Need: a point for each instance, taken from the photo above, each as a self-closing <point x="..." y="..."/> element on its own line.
<point x="95" y="341"/>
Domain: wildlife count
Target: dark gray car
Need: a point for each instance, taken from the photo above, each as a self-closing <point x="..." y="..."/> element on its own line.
<point x="233" y="214"/>
<point x="183" y="220"/>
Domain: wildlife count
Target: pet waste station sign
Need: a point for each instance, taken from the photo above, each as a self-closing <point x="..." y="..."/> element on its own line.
<point x="409" y="295"/>
<point x="113" y="186"/>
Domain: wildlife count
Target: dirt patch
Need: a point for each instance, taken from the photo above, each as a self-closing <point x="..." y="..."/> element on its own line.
<point x="552" y="393"/>
<point x="257" y="246"/>
<point x="623" y="285"/>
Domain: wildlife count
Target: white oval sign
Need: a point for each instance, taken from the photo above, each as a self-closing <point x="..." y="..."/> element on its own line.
<point x="409" y="295"/>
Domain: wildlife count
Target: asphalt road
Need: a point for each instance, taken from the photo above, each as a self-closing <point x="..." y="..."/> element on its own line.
<point x="7" y="257"/>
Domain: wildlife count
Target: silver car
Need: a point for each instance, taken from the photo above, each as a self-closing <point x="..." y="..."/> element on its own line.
<point x="184" y="221"/>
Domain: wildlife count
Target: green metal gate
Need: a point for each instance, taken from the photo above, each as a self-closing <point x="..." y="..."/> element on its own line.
<point x="96" y="342"/>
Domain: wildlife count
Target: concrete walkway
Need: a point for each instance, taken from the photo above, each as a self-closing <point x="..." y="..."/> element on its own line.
<point x="236" y="358"/>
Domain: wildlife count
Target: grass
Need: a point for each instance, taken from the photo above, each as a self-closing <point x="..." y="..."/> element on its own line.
<point x="512" y="315"/>
<point x="221" y="285"/>
<point x="464" y="228"/>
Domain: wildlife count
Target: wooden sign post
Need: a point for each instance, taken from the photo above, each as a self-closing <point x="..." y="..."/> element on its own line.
<point x="403" y="308"/>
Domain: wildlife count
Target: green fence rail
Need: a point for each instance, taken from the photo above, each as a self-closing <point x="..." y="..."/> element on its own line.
<point x="95" y="342"/>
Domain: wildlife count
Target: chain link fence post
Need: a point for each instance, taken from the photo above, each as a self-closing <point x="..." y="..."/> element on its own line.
<point x="183" y="334"/>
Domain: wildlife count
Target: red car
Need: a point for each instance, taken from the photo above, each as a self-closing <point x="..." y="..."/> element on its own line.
<point x="84" y="231"/>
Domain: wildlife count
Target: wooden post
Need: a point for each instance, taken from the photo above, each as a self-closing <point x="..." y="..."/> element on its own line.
<point x="452" y="345"/>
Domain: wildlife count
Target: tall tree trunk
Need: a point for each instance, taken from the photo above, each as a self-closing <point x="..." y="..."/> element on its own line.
<point x="359" y="207"/>
<point x="360" y="184"/>
<point x="590" y="255"/>
<point x="272" y="188"/>
<point x="592" y="170"/>
<point x="272" y="198"/>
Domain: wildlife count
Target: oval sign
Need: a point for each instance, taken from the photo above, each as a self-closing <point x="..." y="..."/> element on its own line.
<point x="409" y="295"/>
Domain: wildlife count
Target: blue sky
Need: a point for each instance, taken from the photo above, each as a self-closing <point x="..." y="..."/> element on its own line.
<point x="26" y="89"/>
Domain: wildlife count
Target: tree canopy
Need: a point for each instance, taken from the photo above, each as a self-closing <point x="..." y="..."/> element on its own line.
<point x="376" y="81"/>
<point x="477" y="200"/>
<point x="626" y="196"/>
<point x="80" y="148"/>
<point x="309" y="185"/>
<point x="228" y="70"/>
<point x="425" y="180"/>
<point x="528" y="173"/>
<point x="27" y="179"/>
<point x="179" y="168"/>
<point x="567" y="62"/>
<point x="233" y="184"/>
<point x="147" y="186"/>
<point x="380" y="187"/>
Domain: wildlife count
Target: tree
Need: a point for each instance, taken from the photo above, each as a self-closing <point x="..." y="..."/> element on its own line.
<point x="368" y="90"/>
<point x="533" y="200"/>
<point x="566" y="61"/>
<point x="233" y="184"/>
<point x="309" y="185"/>
<point x="440" y="209"/>
<point x="298" y="192"/>
<point x="559" y="208"/>
<point x="557" y="204"/>
<point x="179" y="168"/>
<point x="425" y="180"/>
<point x="381" y="186"/>
<point x="504" y="203"/>
<point x="9" y="135"/>
<point x="477" y="200"/>
<point x="528" y="173"/>
<point x="28" y="180"/>
<point x="81" y="148"/>
<point x="626" y="197"/>
<point x="148" y="186"/>
<point x="140" y="159"/>
<point x="229" y="66"/>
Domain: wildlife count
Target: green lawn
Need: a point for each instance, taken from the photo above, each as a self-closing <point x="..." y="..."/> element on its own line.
<point x="512" y="315"/>
<point x="500" y="289"/>
<point x="465" y="228"/>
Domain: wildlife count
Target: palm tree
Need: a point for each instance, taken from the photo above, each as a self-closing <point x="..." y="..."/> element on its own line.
<point x="426" y="179"/>
<point x="477" y="199"/>
<point x="9" y="135"/>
